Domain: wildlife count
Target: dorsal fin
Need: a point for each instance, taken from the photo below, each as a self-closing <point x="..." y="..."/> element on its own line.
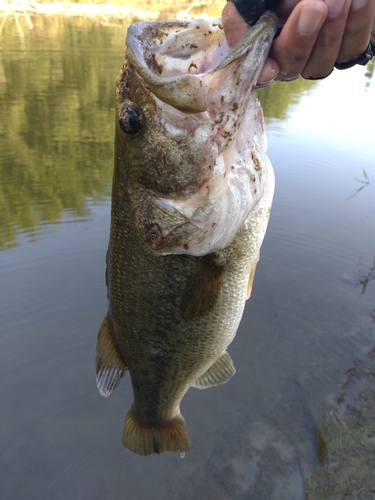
<point x="109" y="365"/>
<point x="218" y="373"/>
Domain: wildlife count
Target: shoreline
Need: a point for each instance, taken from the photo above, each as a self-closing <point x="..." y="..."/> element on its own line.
<point x="94" y="10"/>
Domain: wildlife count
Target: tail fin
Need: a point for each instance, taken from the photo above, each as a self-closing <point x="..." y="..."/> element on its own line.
<point x="145" y="439"/>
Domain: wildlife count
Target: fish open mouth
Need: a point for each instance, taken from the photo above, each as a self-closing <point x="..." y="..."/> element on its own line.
<point x="196" y="79"/>
<point x="172" y="57"/>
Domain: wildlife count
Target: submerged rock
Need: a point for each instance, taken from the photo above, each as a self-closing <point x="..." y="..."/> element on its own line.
<point x="347" y="442"/>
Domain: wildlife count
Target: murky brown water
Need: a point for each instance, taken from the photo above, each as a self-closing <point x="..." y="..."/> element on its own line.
<point x="305" y="325"/>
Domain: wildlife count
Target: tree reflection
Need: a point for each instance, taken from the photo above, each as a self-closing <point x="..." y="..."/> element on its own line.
<point x="56" y="102"/>
<point x="278" y="98"/>
<point x="370" y="69"/>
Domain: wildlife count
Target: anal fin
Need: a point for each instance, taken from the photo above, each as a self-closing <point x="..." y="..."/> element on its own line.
<point x="110" y="367"/>
<point x="218" y="373"/>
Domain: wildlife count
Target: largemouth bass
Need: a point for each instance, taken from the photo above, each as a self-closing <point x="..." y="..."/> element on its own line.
<point x="192" y="193"/>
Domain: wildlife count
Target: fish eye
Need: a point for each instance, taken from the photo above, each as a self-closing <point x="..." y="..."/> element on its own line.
<point x="130" y="120"/>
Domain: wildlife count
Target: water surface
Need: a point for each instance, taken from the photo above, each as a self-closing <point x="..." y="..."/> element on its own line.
<point x="311" y="315"/>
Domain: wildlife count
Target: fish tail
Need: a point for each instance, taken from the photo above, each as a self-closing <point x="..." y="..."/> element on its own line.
<point x="146" y="439"/>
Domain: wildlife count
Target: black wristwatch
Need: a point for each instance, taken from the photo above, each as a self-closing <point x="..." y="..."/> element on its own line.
<point x="251" y="10"/>
<point x="362" y="60"/>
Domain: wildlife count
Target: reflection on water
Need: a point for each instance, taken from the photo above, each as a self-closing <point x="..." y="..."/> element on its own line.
<point x="277" y="100"/>
<point x="366" y="275"/>
<point x="305" y="325"/>
<point x="370" y="69"/>
<point x="56" y="100"/>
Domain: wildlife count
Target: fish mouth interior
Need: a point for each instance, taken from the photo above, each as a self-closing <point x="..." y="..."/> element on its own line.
<point x="199" y="49"/>
<point x="174" y="58"/>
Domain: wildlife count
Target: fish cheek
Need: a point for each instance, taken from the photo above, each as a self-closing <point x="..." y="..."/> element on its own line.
<point x="203" y="288"/>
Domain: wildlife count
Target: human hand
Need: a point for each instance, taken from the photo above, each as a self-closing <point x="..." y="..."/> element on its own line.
<point x="316" y="35"/>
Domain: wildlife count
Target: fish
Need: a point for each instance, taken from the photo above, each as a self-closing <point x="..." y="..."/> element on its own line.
<point x="191" y="198"/>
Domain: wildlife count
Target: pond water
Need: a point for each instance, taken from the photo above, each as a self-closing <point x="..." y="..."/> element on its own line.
<point x="309" y="320"/>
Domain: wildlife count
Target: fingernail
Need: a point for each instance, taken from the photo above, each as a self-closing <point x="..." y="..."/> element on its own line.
<point x="269" y="72"/>
<point x="335" y="7"/>
<point x="310" y="19"/>
<point x="358" y="4"/>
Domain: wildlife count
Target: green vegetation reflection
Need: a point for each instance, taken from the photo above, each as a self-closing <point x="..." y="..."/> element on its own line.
<point x="278" y="98"/>
<point x="56" y="104"/>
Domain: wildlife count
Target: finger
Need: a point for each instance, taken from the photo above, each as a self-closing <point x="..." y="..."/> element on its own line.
<point x="269" y="72"/>
<point x="285" y="8"/>
<point x="292" y="49"/>
<point x="234" y="28"/>
<point x="328" y="43"/>
<point x="357" y="31"/>
<point x="234" y="24"/>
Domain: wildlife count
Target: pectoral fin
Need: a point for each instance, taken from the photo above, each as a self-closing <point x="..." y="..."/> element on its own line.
<point x="203" y="288"/>
<point x="219" y="373"/>
<point x="110" y="367"/>
<point x="251" y="280"/>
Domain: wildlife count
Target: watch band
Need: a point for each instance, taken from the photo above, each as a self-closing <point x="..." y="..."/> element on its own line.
<point x="362" y="60"/>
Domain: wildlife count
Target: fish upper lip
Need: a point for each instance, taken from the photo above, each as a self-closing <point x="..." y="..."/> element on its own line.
<point x="174" y="89"/>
